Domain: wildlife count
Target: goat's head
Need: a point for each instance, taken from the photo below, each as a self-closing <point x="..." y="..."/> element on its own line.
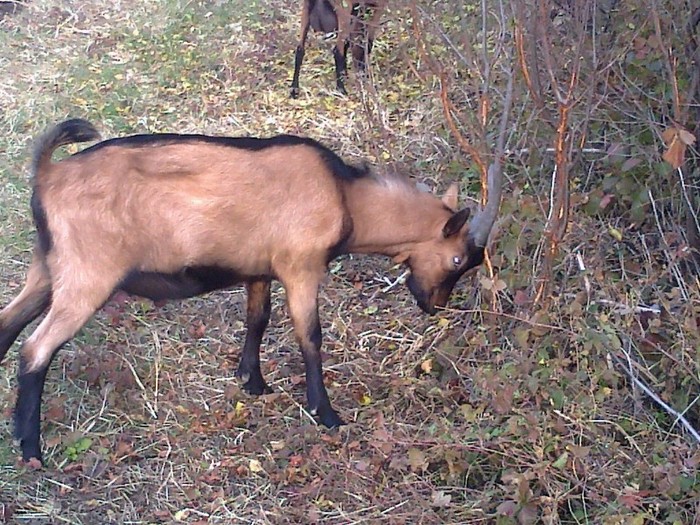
<point x="456" y="247"/>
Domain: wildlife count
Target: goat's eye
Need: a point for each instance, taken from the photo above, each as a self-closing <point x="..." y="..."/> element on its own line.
<point x="457" y="261"/>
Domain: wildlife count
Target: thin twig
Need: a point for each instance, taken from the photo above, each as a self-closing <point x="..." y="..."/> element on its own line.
<point x="672" y="266"/>
<point x="649" y="392"/>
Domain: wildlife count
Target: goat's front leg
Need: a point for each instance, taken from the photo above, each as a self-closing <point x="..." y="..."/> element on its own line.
<point x="257" y="318"/>
<point x="303" y="307"/>
<point x="340" y="51"/>
<point x="299" y="53"/>
<point x="341" y="67"/>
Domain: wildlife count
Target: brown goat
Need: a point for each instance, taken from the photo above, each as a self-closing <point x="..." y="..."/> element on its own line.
<point x="356" y="24"/>
<point x="174" y="216"/>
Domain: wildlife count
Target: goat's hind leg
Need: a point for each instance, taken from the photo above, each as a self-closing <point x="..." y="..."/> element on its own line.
<point x="258" y="316"/>
<point x="72" y="305"/>
<point x="299" y="53"/>
<point x="364" y="29"/>
<point x="27" y="306"/>
<point x="340" y="50"/>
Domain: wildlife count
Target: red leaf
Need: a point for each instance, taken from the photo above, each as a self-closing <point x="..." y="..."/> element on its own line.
<point x="56" y="411"/>
<point x="605" y="201"/>
<point x="633" y="499"/>
<point x="630" y="163"/>
<point x="521" y="298"/>
<point x="507" y="508"/>
<point x="676" y="139"/>
<point x="503" y="401"/>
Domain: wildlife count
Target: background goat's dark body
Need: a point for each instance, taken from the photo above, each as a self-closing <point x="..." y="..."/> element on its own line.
<point x="356" y="24"/>
<point x="174" y="216"/>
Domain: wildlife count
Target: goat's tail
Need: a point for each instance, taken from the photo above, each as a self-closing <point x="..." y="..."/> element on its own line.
<point x="68" y="132"/>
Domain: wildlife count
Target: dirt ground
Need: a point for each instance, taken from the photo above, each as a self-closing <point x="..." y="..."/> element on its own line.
<point x="480" y="414"/>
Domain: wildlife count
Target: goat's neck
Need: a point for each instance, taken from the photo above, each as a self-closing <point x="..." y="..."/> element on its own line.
<point x="389" y="219"/>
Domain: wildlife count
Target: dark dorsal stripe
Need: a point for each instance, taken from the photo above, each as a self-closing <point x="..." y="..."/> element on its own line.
<point x="335" y="164"/>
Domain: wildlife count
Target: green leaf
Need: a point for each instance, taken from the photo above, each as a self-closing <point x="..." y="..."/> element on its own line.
<point x="560" y="462"/>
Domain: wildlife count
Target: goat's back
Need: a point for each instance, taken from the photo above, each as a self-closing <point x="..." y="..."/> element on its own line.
<point x="164" y="202"/>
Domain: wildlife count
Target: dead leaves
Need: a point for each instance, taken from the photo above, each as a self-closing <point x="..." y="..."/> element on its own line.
<point x="677" y="140"/>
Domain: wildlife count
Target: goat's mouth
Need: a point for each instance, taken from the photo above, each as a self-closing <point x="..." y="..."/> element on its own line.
<point x="427" y="308"/>
<point x="423" y="298"/>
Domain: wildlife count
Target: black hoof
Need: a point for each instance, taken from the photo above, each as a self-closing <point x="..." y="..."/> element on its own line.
<point x="253" y="384"/>
<point x="330" y="418"/>
<point x="257" y="388"/>
<point x="32" y="463"/>
<point x="28" y="443"/>
<point x="294" y="92"/>
<point x="31" y="454"/>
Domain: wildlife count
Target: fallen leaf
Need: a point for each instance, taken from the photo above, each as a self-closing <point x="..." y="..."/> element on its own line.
<point x="521" y="298"/>
<point x="255" y="466"/>
<point x="362" y="465"/>
<point x="560" y="462"/>
<point x="440" y="499"/>
<point x="507" y="508"/>
<point x="528" y="514"/>
<point x="606" y="200"/>
<point x="503" y="401"/>
<point x="123" y="448"/>
<point x="615" y="233"/>
<point x="686" y="137"/>
<point x="629" y="164"/>
<point x="417" y="460"/>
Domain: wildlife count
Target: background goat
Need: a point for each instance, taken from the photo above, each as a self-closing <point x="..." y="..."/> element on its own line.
<point x="174" y="216"/>
<point x="356" y="23"/>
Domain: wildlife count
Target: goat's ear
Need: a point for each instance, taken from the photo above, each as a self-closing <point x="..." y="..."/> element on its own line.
<point x="450" y="197"/>
<point x="455" y="223"/>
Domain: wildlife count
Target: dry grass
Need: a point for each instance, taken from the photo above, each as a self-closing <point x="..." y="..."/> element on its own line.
<point x="467" y="417"/>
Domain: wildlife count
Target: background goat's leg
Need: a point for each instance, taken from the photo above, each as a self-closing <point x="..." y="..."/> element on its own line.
<point x="299" y="53"/>
<point x="340" y="50"/>
<point x="362" y="36"/>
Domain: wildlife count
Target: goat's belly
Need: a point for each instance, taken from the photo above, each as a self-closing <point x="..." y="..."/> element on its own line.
<point x="188" y="282"/>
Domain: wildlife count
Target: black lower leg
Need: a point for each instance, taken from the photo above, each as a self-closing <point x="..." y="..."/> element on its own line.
<point x="363" y="55"/>
<point x="316" y="393"/>
<point x="298" y="59"/>
<point x="340" y="68"/>
<point x="257" y="319"/>
<point x="28" y="410"/>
